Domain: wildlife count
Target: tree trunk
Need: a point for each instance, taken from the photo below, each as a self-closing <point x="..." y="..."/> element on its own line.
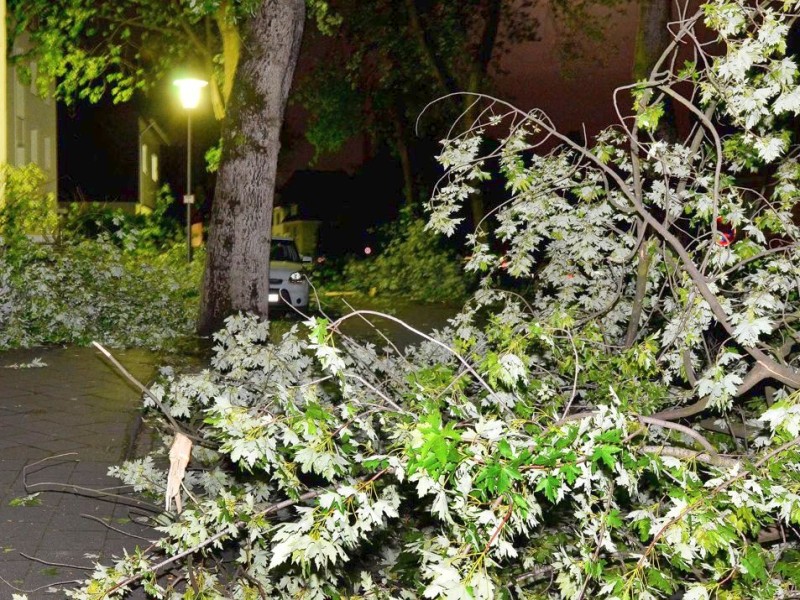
<point x="652" y="35"/>
<point x="237" y="263"/>
<point x="405" y="162"/>
<point x="475" y="82"/>
<point x="652" y="39"/>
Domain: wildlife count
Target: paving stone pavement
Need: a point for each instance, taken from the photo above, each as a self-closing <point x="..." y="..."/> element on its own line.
<point x="80" y="408"/>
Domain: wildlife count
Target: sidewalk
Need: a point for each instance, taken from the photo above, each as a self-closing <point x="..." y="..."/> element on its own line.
<point x="76" y="404"/>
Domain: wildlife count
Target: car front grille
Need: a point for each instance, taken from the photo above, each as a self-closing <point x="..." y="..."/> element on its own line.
<point x="275" y="280"/>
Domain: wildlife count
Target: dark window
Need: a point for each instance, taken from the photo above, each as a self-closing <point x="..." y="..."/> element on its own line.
<point x="284" y="250"/>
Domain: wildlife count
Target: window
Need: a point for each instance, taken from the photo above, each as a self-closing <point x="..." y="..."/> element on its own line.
<point x="19" y="97"/>
<point x="19" y="132"/>
<point x="154" y="166"/>
<point x="144" y="159"/>
<point x="284" y="250"/>
<point x="34" y="72"/>
<point x="48" y="153"/>
<point x="35" y="146"/>
<point x="20" y="150"/>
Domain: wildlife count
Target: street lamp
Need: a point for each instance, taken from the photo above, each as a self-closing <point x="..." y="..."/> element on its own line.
<point x="189" y="93"/>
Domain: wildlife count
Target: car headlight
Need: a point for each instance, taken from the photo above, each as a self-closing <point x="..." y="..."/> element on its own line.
<point x="296" y="277"/>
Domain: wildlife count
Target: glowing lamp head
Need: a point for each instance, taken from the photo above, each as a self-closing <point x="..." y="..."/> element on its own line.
<point x="189" y="91"/>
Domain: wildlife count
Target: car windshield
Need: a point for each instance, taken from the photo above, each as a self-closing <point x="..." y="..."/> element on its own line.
<point x="284" y="250"/>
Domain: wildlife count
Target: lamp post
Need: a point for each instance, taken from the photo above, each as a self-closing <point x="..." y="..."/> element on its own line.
<point x="189" y="93"/>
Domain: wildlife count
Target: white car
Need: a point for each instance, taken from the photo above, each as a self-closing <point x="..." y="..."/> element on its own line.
<point x="288" y="285"/>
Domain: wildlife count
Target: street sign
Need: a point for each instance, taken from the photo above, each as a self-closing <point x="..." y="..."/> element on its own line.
<point x="188" y="199"/>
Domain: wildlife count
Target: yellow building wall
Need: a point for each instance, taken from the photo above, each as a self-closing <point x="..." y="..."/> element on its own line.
<point x="3" y="92"/>
<point x="30" y="121"/>
<point x="305" y="233"/>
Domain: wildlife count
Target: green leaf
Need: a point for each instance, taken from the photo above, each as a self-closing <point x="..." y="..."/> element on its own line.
<point x="505" y="449"/>
<point x="520" y="502"/>
<point x="659" y="580"/>
<point x="548" y="458"/>
<point x="613" y="519"/>
<point x="605" y="454"/>
<point x="550" y="486"/>
<point x="570" y="473"/>
<point x="649" y="117"/>
<point x="753" y="564"/>
<point x="612" y="436"/>
<point x="643" y="527"/>
<point x="29" y="500"/>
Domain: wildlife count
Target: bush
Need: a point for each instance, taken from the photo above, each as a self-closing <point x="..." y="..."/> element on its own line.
<point x="130" y="289"/>
<point x="26" y="210"/>
<point x="413" y="266"/>
<point x="153" y="230"/>
<point x="93" y="290"/>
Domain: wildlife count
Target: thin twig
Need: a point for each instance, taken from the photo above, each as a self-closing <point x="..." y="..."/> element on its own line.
<point x="378" y="331"/>
<point x="575" y="379"/>
<point x="55" y="564"/>
<point x="41" y="587"/>
<point x="396" y="407"/>
<point x="77" y="489"/>
<point x="112" y="528"/>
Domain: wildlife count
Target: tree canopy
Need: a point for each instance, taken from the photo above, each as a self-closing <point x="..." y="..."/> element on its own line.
<point x="90" y="49"/>
<point x="388" y="63"/>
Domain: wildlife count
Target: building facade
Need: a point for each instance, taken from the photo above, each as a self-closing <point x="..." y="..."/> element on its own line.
<point x="152" y="141"/>
<point x="28" y="131"/>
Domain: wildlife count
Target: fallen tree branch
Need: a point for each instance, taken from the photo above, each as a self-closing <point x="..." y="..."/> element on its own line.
<point x="55" y="564"/>
<point x="650" y="420"/>
<point x="740" y="431"/>
<point x="753" y="377"/>
<point x="118" y="530"/>
<point x="461" y="359"/>
<point x="682" y="428"/>
<point x="80" y="490"/>
<point x="177" y="428"/>
<point x="717" y="460"/>
<point x="230" y="530"/>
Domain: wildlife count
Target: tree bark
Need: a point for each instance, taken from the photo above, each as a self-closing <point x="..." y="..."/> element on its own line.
<point x="475" y="81"/>
<point x="652" y="35"/>
<point x="652" y="39"/>
<point x="405" y="162"/>
<point x="237" y="264"/>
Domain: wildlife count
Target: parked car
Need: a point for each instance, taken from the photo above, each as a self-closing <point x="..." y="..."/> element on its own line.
<point x="288" y="285"/>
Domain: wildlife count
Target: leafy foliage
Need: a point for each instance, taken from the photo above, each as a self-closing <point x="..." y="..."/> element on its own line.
<point x="86" y="49"/>
<point x="26" y="209"/>
<point x="93" y="290"/>
<point x="627" y="431"/>
<point x="154" y="230"/>
<point x="334" y="108"/>
<point x="331" y="470"/>
<point x="83" y="49"/>
<point x="414" y="266"/>
<point x="131" y="287"/>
